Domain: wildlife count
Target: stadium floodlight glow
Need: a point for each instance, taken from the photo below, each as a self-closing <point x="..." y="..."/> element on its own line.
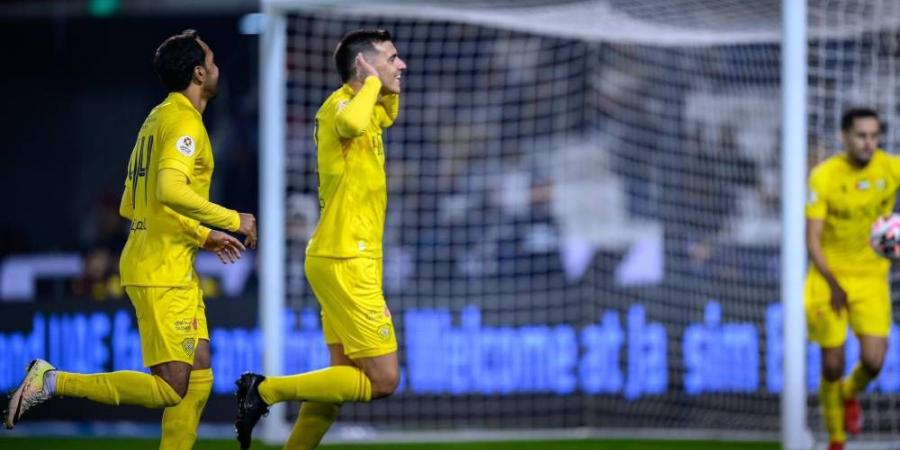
<point x="252" y="24"/>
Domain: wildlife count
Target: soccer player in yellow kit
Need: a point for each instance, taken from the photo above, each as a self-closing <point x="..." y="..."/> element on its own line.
<point x="166" y="197"/>
<point x="344" y="256"/>
<point x="847" y="281"/>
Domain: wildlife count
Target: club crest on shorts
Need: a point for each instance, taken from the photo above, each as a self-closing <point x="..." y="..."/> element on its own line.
<point x="384" y="332"/>
<point x="188" y="346"/>
<point x="185" y="145"/>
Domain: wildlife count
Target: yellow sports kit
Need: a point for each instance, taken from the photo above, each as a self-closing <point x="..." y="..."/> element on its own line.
<point x="344" y="255"/>
<point x="168" y="181"/>
<point x="849" y="199"/>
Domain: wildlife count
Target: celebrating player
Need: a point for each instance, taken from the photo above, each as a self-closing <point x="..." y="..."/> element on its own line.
<point x="344" y="256"/>
<point x="848" y="281"/>
<point x="166" y="198"/>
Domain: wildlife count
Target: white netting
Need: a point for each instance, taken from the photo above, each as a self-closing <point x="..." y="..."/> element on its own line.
<point x="583" y="207"/>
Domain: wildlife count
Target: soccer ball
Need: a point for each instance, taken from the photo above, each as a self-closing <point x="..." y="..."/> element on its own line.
<point x="885" y="236"/>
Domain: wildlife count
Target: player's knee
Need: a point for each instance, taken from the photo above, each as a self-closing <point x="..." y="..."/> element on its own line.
<point x="180" y="386"/>
<point x="385" y="384"/>
<point x="832" y="372"/>
<point x="873" y="364"/>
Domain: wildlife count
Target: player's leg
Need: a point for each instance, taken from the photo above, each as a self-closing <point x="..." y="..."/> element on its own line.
<point x="179" y="423"/>
<point x="870" y="313"/>
<point x="169" y="353"/>
<point x="872" y="353"/>
<point x="830" y="393"/>
<point x="167" y="324"/>
<point x="349" y="292"/>
<point x="384" y="373"/>
<point x="829" y="330"/>
<point x="316" y="418"/>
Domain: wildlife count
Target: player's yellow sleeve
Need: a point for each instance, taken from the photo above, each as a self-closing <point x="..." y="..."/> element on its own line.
<point x="354" y="117"/>
<point x="816" y="205"/>
<point x="178" y="149"/>
<point x="173" y="191"/>
<point x="388" y="109"/>
<point x="194" y="229"/>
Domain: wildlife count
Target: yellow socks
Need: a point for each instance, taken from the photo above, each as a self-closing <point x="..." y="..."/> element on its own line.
<point x="336" y="384"/>
<point x="833" y="409"/>
<point x="179" y="423"/>
<point x="855" y="382"/>
<point x="313" y="422"/>
<point x="118" y="388"/>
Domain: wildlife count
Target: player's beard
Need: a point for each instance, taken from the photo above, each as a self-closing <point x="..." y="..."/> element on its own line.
<point x="859" y="161"/>
<point x="211" y="90"/>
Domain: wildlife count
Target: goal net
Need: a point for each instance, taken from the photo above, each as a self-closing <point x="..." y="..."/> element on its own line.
<point x="583" y="219"/>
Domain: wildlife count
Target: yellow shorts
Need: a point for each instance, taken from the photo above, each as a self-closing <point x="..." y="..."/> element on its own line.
<point x="170" y="321"/>
<point x="868" y="307"/>
<point x="354" y="313"/>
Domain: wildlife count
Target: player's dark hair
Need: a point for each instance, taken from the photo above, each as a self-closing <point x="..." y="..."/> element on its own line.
<point x="355" y="42"/>
<point x="176" y="58"/>
<point x="850" y="116"/>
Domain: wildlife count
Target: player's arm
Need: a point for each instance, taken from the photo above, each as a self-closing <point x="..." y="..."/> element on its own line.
<point x="177" y="158"/>
<point x="173" y="190"/>
<point x="126" y="207"/>
<point x="814" y="229"/>
<point x="353" y="117"/>
<point x="194" y="229"/>
<point x="389" y="109"/>
<point x="816" y="211"/>
<point x="225" y="246"/>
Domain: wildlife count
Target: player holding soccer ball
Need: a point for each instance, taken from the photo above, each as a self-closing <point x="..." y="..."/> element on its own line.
<point x="848" y="281"/>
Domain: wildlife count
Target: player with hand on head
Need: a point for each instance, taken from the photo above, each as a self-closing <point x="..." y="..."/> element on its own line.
<point x="166" y="197"/>
<point x="344" y="256"/>
<point x="847" y="280"/>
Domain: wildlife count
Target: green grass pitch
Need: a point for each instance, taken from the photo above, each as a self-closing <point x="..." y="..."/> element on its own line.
<point x="139" y="444"/>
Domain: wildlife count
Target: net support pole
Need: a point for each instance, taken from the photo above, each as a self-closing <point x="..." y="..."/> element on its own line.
<point x="795" y="435"/>
<point x="272" y="48"/>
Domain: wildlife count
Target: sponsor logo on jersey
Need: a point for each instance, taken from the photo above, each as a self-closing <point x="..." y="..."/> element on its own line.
<point x="184" y="325"/>
<point x="863" y="185"/>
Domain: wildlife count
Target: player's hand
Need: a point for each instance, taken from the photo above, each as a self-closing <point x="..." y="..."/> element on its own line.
<point x="225" y="246"/>
<point x="248" y="229"/>
<point x="363" y="68"/>
<point x="838" y="298"/>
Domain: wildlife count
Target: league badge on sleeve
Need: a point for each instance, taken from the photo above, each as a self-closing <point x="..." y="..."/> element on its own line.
<point x="185" y="145"/>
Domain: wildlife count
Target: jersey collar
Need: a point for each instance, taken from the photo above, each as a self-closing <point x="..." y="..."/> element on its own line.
<point x="178" y="97"/>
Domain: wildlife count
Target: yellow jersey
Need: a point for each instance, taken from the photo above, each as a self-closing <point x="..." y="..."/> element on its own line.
<point x="162" y="243"/>
<point x="350" y="164"/>
<point x="849" y="199"/>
